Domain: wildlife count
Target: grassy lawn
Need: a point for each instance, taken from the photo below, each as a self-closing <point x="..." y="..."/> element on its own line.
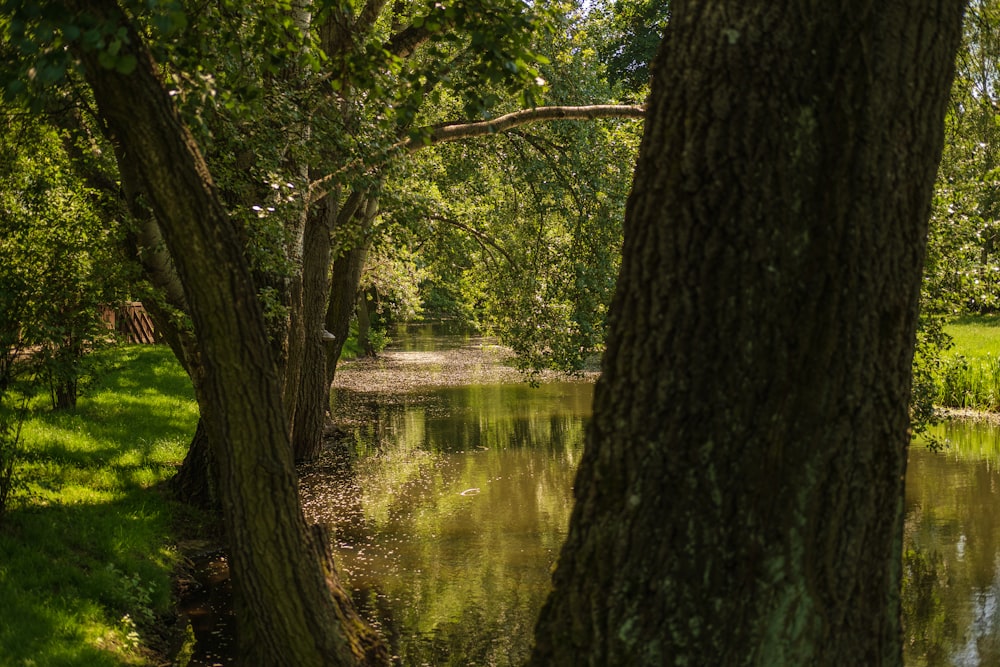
<point x="85" y="555"/>
<point x="975" y="336"/>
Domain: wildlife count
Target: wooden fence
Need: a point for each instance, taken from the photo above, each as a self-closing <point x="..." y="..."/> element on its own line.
<point x="132" y="322"/>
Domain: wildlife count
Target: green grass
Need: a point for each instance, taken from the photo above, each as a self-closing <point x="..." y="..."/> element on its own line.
<point x="969" y="376"/>
<point x="975" y="336"/>
<point x="85" y="555"/>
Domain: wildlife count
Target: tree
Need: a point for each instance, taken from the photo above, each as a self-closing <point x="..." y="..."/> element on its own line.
<point x="60" y="261"/>
<point x="965" y="223"/>
<point x="272" y="552"/>
<point x="739" y="500"/>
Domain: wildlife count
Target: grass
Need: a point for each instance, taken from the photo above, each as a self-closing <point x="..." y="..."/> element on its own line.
<point x="85" y="550"/>
<point x="976" y="336"/>
<point x="969" y="376"/>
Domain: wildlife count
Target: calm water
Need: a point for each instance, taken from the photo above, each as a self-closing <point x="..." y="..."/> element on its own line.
<point x="449" y="523"/>
<point x="951" y="591"/>
<point x="451" y="516"/>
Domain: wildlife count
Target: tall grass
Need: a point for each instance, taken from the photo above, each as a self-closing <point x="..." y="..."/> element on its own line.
<point x="85" y="555"/>
<point x="969" y="376"/>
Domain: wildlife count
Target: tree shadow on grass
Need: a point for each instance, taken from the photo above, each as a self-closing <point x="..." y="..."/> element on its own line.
<point x="987" y="320"/>
<point x="85" y="566"/>
<point x="78" y="579"/>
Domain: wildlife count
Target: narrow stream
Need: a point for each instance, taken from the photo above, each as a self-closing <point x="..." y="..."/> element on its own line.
<point x="448" y="505"/>
<point x="449" y="524"/>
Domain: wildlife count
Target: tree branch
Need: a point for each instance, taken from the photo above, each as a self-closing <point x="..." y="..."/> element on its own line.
<point x="482" y="237"/>
<point x="368" y="16"/>
<point x="437" y="134"/>
<point x="456" y="131"/>
<point x="406" y="41"/>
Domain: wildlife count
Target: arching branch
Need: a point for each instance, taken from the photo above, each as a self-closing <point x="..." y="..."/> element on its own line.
<point x="455" y="131"/>
<point x="482" y="237"/>
<point x="437" y="134"/>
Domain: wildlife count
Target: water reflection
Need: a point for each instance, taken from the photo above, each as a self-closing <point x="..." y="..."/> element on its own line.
<point x="456" y="500"/>
<point x="951" y="561"/>
<point x="430" y="338"/>
<point x="449" y="521"/>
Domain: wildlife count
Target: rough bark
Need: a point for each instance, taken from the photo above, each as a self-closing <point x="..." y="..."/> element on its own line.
<point x="739" y="501"/>
<point x="196" y="482"/>
<point x="290" y="608"/>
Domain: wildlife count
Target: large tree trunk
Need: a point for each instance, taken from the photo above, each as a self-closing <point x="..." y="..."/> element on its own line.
<point x="290" y="607"/>
<point x="739" y="501"/>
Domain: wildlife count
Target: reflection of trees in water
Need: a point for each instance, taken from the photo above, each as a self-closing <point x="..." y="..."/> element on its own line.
<point x="453" y="579"/>
<point x="951" y="563"/>
<point x="930" y="627"/>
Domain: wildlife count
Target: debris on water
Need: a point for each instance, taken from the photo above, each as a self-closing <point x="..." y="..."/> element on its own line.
<point x="469" y="492"/>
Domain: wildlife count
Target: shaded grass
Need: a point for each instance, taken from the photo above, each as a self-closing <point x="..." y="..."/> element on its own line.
<point x="85" y="555"/>
<point x="969" y="376"/>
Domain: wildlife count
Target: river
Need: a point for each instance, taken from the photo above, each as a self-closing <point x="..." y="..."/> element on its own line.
<point x="449" y="513"/>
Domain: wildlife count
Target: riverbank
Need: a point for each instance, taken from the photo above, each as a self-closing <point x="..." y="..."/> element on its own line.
<point x="967" y="377"/>
<point x="93" y="556"/>
<point x="93" y="553"/>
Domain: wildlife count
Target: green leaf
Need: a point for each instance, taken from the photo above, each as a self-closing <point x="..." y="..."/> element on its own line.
<point x="106" y="60"/>
<point x="126" y="64"/>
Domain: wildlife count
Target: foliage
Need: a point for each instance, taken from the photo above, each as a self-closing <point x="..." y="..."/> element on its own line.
<point x="267" y="96"/>
<point x="520" y="233"/>
<point x="60" y="261"/>
<point x="963" y="269"/>
<point x="632" y="35"/>
<point x="391" y="279"/>
<point x="931" y="343"/>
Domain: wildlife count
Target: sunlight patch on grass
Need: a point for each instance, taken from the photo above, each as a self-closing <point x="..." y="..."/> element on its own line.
<point x="85" y="556"/>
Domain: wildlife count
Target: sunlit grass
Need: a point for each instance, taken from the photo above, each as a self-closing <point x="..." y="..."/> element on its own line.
<point x="969" y="376"/>
<point x="85" y="561"/>
<point x="976" y="336"/>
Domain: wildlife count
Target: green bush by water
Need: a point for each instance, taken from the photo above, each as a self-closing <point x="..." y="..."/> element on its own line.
<point x="85" y="555"/>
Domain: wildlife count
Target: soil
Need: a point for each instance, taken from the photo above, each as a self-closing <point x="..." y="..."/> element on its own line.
<point x="969" y="415"/>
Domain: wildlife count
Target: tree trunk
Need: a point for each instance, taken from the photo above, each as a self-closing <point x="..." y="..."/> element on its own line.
<point x="64" y="392"/>
<point x="346" y="280"/>
<point x="364" y="324"/>
<point x="290" y="608"/>
<point x="197" y="481"/>
<point x="739" y="501"/>
<point x="309" y="418"/>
